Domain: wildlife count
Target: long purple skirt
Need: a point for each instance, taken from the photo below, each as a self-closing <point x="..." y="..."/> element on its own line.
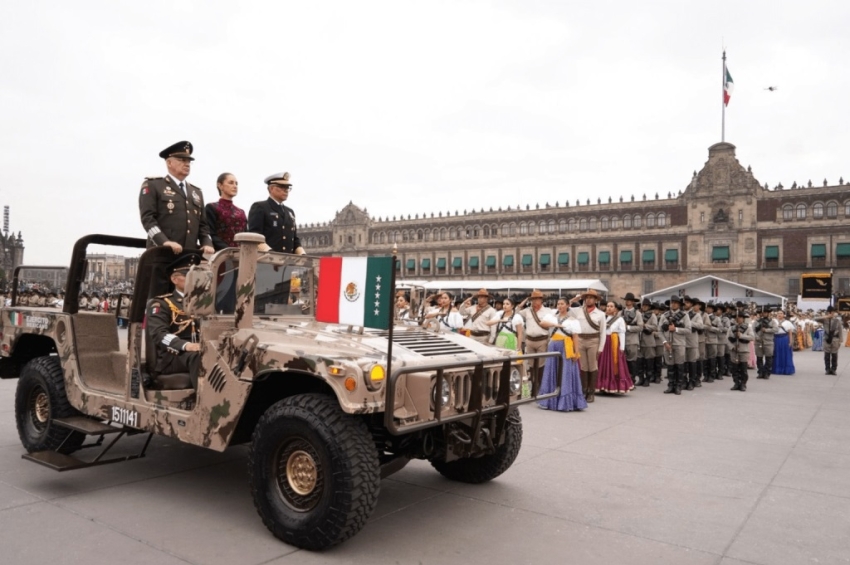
<point x="571" y="397"/>
<point x="620" y="383"/>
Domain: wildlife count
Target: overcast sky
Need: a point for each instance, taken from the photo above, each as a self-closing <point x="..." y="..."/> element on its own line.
<point x="405" y="107"/>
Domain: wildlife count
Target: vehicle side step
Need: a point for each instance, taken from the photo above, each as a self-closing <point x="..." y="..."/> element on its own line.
<point x="86" y="426"/>
<point x="61" y="462"/>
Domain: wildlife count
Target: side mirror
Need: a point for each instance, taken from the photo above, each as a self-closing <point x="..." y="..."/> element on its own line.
<point x="199" y="298"/>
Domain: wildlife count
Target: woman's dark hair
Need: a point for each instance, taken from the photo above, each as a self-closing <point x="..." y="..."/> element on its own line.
<point x="220" y="180"/>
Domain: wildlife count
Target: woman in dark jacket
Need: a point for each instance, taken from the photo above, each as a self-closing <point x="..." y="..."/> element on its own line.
<point x="225" y="220"/>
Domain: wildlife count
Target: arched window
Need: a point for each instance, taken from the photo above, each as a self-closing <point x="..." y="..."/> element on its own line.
<point x="476" y="232"/>
<point x="801" y="211"/>
<point x="405" y="237"/>
<point x="615" y="223"/>
<point x="562" y="226"/>
<point x="572" y="224"/>
<point x="593" y="224"/>
<point x="505" y="230"/>
<point x="523" y="229"/>
<point x="453" y="233"/>
<point x="661" y="220"/>
<point x="627" y="222"/>
<point x="531" y="227"/>
<point x="832" y="210"/>
<point x="419" y="235"/>
<point x="636" y="221"/>
<point x="551" y="227"/>
<point x="650" y="220"/>
<point x="513" y="230"/>
<point x="582" y="225"/>
<point x="817" y="211"/>
<point x="605" y="223"/>
<point x="787" y="212"/>
<point x="436" y="234"/>
<point x="847" y="208"/>
<point x="486" y="231"/>
<point x="443" y="234"/>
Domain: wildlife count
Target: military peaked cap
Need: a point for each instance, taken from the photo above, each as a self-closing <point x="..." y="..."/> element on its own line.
<point x="181" y="150"/>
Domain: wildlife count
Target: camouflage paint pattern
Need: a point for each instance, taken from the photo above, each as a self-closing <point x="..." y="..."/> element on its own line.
<point x="238" y="349"/>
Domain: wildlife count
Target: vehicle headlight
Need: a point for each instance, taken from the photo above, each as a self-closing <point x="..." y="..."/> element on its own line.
<point x="516" y="380"/>
<point x="375" y="376"/>
<point x="445" y="394"/>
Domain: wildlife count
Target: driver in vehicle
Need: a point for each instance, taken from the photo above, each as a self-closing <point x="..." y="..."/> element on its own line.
<point x="173" y="332"/>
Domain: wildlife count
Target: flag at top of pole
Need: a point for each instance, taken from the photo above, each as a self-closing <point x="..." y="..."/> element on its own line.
<point x="728" y="86"/>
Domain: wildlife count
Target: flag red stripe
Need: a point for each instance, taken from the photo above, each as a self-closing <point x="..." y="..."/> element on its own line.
<point x="327" y="301"/>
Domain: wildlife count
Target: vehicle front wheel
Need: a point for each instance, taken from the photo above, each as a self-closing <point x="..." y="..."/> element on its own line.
<point x="39" y="399"/>
<point x="314" y="472"/>
<point x="476" y="470"/>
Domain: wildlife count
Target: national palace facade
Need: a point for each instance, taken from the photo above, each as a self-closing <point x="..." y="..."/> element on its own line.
<point x="724" y="223"/>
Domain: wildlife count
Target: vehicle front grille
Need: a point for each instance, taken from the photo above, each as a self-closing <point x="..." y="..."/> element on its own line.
<point x="426" y="343"/>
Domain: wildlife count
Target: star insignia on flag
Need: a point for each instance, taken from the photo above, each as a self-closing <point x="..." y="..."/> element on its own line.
<point x="377" y="295"/>
<point x="377" y="304"/>
<point x="378" y="286"/>
<point x="377" y="312"/>
<point x="378" y="278"/>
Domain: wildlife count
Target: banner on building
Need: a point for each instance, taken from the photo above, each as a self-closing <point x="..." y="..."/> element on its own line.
<point x="816" y="285"/>
<point x="844" y="305"/>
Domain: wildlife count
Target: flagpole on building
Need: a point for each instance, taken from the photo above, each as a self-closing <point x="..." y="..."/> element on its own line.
<point x="723" y="101"/>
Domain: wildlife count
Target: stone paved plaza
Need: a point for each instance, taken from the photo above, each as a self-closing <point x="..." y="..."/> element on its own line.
<point x="709" y="477"/>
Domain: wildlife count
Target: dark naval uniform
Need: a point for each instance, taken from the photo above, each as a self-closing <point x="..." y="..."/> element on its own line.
<point x="168" y="215"/>
<point x="170" y="330"/>
<point x="277" y="223"/>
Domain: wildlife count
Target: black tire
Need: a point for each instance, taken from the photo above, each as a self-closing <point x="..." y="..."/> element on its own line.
<point x="476" y="470"/>
<point x="314" y="472"/>
<point x="39" y="399"/>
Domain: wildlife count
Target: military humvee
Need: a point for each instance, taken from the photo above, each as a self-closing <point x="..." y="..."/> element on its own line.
<point x="325" y="418"/>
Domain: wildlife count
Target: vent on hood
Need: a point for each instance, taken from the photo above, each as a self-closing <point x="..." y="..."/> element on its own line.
<point x="426" y="343"/>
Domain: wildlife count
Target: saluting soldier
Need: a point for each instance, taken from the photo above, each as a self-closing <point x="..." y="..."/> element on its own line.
<point x="477" y="317"/>
<point x="171" y="208"/>
<point x="275" y="220"/>
<point x="591" y="340"/>
<point x="173" y="332"/>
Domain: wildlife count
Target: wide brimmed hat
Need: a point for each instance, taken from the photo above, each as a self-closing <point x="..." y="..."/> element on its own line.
<point x="590" y="293"/>
<point x="630" y="296"/>
<point x="676" y="298"/>
<point x="687" y="298"/>
<point x="483" y="292"/>
<point x="536" y="294"/>
<point x="646" y="302"/>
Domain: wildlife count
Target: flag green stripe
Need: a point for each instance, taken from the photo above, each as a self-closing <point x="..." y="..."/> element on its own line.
<point x="379" y="292"/>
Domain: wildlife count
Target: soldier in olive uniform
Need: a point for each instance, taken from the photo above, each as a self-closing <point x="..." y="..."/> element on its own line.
<point x="676" y="326"/>
<point x="692" y="348"/>
<point x="173" y="332"/>
<point x="831" y="339"/>
<point x="646" y="340"/>
<point x="634" y="326"/>
<point x="172" y="210"/>
<point x="712" y="331"/>
<point x="273" y="219"/>
<point x="765" y="329"/>
<point x="722" y="344"/>
<point x="739" y="337"/>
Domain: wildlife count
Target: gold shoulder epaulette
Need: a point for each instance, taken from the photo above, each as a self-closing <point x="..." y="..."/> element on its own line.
<point x="154" y="178"/>
<point x="164" y="296"/>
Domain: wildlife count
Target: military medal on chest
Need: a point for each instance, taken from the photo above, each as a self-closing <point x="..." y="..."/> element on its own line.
<point x="170" y="207"/>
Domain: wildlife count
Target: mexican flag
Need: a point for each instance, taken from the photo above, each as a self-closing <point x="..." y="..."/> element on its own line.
<point x="356" y="291"/>
<point x="728" y="85"/>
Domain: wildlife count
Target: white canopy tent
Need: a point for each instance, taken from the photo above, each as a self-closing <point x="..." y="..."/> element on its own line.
<point x="549" y="286"/>
<point x="711" y="288"/>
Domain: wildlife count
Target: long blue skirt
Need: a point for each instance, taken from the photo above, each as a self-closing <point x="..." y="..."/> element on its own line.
<point x="783" y="357"/>
<point x="571" y="397"/>
<point x="817" y="340"/>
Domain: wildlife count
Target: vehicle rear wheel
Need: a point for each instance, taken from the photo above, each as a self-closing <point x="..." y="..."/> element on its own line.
<point x="477" y="470"/>
<point x="39" y="399"/>
<point x="314" y="472"/>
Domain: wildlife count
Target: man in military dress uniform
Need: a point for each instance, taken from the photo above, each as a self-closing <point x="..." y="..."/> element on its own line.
<point x="765" y="329"/>
<point x="172" y="209"/>
<point x="477" y="317"/>
<point x="634" y="326"/>
<point x="173" y="332"/>
<point x="722" y="344"/>
<point x="712" y="330"/>
<point x="658" y="309"/>
<point x="676" y="326"/>
<point x="273" y="219"/>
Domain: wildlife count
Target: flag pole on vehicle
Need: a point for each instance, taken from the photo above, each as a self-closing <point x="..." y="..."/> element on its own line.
<point x="391" y="317"/>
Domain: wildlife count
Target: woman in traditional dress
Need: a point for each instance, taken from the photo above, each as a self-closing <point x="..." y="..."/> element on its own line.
<point x="783" y="357"/>
<point x="445" y="317"/>
<point x="614" y="374"/>
<point x="562" y="328"/>
<point x="508" y="327"/>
